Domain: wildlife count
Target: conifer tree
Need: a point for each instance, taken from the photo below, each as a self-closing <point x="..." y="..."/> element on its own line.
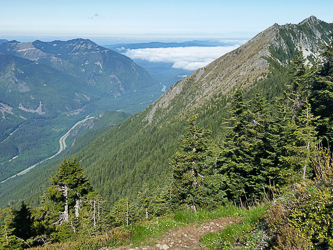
<point x="238" y="156"/>
<point x="122" y="213"/>
<point x="154" y="202"/>
<point x="306" y="136"/>
<point x="42" y="215"/>
<point x="145" y="202"/>
<point x="161" y="201"/>
<point x="294" y="125"/>
<point x="94" y="207"/>
<point x="322" y="94"/>
<point x="22" y="222"/>
<point x="299" y="90"/>
<point x="8" y="239"/>
<point x="283" y="130"/>
<point x="302" y="78"/>
<point x="196" y="183"/>
<point x="262" y="137"/>
<point x="68" y="190"/>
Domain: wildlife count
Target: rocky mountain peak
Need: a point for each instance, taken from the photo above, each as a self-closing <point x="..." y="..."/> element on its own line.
<point x="13" y="41"/>
<point x="84" y="43"/>
<point x="310" y="20"/>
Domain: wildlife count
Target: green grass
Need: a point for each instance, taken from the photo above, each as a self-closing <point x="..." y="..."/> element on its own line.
<point x="228" y="237"/>
<point x="141" y="232"/>
<point x="202" y="215"/>
<point x="155" y="228"/>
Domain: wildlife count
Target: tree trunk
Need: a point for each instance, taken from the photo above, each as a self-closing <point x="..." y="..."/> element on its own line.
<point x="194" y="208"/>
<point x="73" y="227"/>
<point x="94" y="216"/>
<point x="304" y="168"/>
<point x="66" y="204"/>
<point x="127" y="215"/>
<point x="307" y="147"/>
<point x="77" y="207"/>
<point x="98" y="211"/>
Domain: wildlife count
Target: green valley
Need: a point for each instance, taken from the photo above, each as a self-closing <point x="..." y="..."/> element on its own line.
<point x="47" y="87"/>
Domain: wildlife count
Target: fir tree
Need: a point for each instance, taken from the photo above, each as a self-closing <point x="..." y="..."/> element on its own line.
<point x="8" y="239"/>
<point x="306" y="137"/>
<point x="294" y="124"/>
<point x="283" y="130"/>
<point x="122" y="213"/>
<point x="154" y="203"/>
<point x="22" y="222"/>
<point x="301" y="76"/>
<point x="69" y="193"/>
<point x="196" y="182"/>
<point x="322" y="94"/>
<point x="262" y="137"/>
<point x="238" y="155"/>
<point x="94" y="207"/>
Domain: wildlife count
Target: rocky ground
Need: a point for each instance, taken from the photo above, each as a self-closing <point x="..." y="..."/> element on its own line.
<point x="184" y="237"/>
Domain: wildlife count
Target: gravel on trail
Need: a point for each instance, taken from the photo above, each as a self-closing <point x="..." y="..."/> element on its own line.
<point x="187" y="237"/>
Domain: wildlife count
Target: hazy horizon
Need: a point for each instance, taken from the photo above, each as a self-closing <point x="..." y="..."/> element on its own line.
<point x="111" y="22"/>
<point x="102" y="41"/>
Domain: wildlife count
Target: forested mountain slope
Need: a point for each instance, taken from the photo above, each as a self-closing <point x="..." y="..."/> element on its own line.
<point x="138" y="151"/>
<point x="46" y="87"/>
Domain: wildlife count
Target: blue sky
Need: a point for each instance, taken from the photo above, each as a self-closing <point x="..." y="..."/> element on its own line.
<point x="151" y="20"/>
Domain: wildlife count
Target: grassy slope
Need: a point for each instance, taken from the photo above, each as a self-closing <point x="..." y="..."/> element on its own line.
<point x="139" y="233"/>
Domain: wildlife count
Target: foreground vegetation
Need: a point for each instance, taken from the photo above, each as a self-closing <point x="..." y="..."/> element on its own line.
<point x="138" y="234"/>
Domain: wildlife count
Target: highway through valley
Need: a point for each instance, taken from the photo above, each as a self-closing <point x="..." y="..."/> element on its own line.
<point x="62" y="147"/>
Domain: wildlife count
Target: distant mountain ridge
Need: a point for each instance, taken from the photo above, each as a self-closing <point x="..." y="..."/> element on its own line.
<point x="137" y="152"/>
<point x="48" y="86"/>
<point x="87" y="61"/>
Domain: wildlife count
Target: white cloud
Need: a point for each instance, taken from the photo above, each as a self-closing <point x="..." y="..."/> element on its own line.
<point x="188" y="58"/>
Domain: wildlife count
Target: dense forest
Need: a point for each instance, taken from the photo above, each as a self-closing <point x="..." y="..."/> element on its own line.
<point x="268" y="148"/>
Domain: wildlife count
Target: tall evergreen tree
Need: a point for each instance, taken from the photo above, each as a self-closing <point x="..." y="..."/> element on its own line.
<point x="122" y="213"/>
<point x="196" y="182"/>
<point x="263" y="137"/>
<point x="283" y="130"/>
<point x="306" y="137"/>
<point x="246" y="156"/>
<point x="322" y="94"/>
<point x="296" y="122"/>
<point x="22" y="222"/>
<point x="301" y="80"/>
<point x="68" y="189"/>
<point x="233" y="160"/>
<point x="12" y="226"/>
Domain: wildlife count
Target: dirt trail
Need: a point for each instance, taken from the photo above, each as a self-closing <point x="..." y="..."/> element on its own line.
<point x="184" y="237"/>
